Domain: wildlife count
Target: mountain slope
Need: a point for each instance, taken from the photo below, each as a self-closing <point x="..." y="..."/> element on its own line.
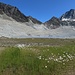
<point x="12" y="12"/>
<point x="53" y="23"/>
<point x="68" y="16"/>
<point x="35" y="21"/>
<point x="14" y="24"/>
<point x="13" y="29"/>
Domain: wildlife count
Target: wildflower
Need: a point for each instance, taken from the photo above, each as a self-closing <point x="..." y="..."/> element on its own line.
<point x="39" y="57"/>
<point x="45" y="66"/>
<point x="60" y="58"/>
<point x="50" y="58"/>
<point x="63" y="63"/>
<point x="56" y="60"/>
<point x="46" y="59"/>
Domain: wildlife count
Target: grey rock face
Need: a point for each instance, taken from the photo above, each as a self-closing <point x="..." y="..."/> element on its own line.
<point x="35" y="21"/>
<point x="12" y="12"/>
<point x="64" y="23"/>
<point x="53" y="23"/>
<point x="68" y="23"/>
<point x="69" y="20"/>
<point x="69" y="14"/>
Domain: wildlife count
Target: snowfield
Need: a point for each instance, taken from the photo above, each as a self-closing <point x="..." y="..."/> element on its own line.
<point x="13" y="29"/>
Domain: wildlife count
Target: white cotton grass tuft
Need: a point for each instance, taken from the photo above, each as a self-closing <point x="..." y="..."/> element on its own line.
<point x="46" y="66"/>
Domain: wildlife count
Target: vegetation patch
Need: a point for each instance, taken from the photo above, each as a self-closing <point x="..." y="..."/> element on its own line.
<point x="38" y="60"/>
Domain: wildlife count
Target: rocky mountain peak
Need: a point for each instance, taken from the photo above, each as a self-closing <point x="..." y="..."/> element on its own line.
<point x="12" y="12"/>
<point x="55" y="19"/>
<point x="53" y="23"/>
<point x="69" y="15"/>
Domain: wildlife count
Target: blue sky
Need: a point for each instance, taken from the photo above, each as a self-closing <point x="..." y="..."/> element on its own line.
<point x="42" y="10"/>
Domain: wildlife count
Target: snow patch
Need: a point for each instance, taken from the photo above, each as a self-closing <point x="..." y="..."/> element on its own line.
<point x="67" y="19"/>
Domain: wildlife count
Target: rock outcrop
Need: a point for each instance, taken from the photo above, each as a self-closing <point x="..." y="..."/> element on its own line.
<point x="35" y="21"/>
<point x="68" y="16"/>
<point x="53" y="23"/>
<point x="12" y="12"/>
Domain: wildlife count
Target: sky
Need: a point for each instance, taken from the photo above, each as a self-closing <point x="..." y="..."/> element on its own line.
<point x="42" y="10"/>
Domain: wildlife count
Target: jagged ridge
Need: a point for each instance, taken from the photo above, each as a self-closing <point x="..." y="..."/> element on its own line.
<point x="13" y="12"/>
<point x="53" y="23"/>
<point x="35" y="21"/>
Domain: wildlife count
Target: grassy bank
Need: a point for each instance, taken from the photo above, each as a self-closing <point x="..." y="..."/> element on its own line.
<point x="53" y="60"/>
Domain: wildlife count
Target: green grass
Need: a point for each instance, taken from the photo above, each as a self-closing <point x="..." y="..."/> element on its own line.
<point x="38" y="60"/>
<point x="36" y="41"/>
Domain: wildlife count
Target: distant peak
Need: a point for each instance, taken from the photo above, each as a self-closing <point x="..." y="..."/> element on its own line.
<point x="69" y="15"/>
<point x="53" y="23"/>
<point x="54" y="18"/>
<point x="12" y="12"/>
<point x="72" y="9"/>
